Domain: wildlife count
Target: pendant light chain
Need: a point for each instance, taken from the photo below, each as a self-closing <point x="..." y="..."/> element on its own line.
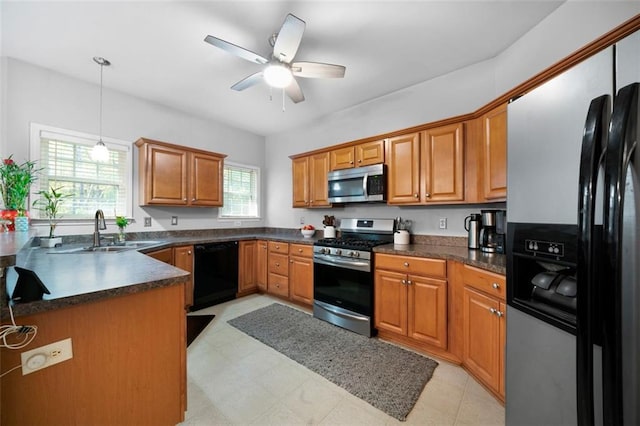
<point x="100" y="152"/>
<point x="101" y="69"/>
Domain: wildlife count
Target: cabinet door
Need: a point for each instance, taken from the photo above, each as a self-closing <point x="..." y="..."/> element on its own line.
<point x="247" y="266"/>
<point x="390" y="301"/>
<point x="165" y="171"/>
<point x="301" y="279"/>
<point x="403" y="180"/>
<point x="370" y="153"/>
<point x="342" y="158"/>
<point x="300" y="176"/>
<point x="427" y="302"/>
<point x="279" y="264"/>
<point x="164" y="255"/>
<point x="503" y="346"/>
<point x="494" y="155"/>
<point x="318" y="187"/>
<point x="481" y="335"/>
<point x="262" y="265"/>
<point x="442" y="164"/>
<point x="183" y="259"/>
<point x="205" y="188"/>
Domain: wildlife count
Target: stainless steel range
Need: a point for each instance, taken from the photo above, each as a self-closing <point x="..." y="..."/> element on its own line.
<point x="343" y="273"/>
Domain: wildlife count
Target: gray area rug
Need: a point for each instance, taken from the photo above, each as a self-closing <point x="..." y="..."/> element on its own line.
<point x="386" y="376"/>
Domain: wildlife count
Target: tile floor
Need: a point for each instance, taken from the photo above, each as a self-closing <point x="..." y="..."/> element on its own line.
<point x="235" y="380"/>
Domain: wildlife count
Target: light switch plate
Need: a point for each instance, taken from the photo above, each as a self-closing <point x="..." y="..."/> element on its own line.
<point x="147" y="221"/>
<point x="174" y="220"/>
<point x="443" y="223"/>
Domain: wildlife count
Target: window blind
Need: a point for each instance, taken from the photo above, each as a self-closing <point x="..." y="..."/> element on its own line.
<point x="240" y="188"/>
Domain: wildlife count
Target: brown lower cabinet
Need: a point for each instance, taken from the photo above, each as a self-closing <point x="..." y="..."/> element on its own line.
<point x="262" y="265"/>
<point x="180" y="257"/>
<point x="301" y="273"/>
<point x="484" y="327"/>
<point x="411" y="298"/>
<point x="247" y="267"/>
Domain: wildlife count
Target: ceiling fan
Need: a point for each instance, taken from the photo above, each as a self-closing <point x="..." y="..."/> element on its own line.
<point x="280" y="71"/>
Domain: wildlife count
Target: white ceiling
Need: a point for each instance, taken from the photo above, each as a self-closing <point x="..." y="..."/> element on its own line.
<point x="158" y="53"/>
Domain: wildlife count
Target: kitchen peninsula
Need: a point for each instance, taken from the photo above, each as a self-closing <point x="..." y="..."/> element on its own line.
<point x="125" y="316"/>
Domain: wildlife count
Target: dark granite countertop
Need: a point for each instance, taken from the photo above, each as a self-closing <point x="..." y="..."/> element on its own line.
<point x="489" y="261"/>
<point x="74" y="278"/>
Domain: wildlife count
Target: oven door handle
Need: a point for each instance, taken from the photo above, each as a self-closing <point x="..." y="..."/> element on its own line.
<point x="350" y="264"/>
<point x="340" y="312"/>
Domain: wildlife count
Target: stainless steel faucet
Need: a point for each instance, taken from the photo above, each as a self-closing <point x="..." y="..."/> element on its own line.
<point x="99" y="224"/>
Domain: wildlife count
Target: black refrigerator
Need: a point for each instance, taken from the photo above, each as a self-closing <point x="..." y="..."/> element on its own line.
<point x="573" y="252"/>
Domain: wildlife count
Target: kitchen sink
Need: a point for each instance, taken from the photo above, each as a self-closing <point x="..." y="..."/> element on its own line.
<point x="129" y="245"/>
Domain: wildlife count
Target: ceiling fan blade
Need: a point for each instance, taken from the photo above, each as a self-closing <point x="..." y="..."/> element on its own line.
<point x="294" y="91"/>
<point x="236" y="50"/>
<point x="252" y="80"/>
<point x="317" y="70"/>
<point x="288" y="39"/>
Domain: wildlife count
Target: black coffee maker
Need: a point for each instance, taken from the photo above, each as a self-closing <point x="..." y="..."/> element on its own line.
<point x="493" y="229"/>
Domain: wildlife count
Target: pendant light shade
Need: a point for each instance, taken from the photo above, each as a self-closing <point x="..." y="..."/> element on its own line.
<point x="100" y="153"/>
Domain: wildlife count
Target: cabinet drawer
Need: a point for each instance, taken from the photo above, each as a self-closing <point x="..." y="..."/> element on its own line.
<point x="412" y="265"/>
<point x="302" y="250"/>
<point x="279" y="264"/>
<point x="485" y="281"/>
<point x="278" y="285"/>
<point x="278" y="247"/>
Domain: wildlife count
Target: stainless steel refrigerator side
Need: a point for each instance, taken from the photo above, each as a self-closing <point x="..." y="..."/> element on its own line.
<point x="545" y="129"/>
<point x="621" y="385"/>
<point x="628" y="72"/>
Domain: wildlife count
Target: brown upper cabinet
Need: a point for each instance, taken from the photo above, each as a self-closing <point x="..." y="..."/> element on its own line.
<point x="363" y="154"/>
<point x="173" y="175"/>
<point x="310" y="180"/>
<point x="426" y="167"/>
<point x="494" y="154"/>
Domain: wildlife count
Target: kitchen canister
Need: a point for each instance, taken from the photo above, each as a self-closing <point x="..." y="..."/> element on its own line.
<point x="401" y="236"/>
<point x="329" y="231"/>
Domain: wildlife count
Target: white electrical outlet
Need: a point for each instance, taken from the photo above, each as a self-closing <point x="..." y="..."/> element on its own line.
<point x="147" y="221"/>
<point x="174" y="220"/>
<point x="443" y="223"/>
<point x="301" y="220"/>
<point x="46" y="356"/>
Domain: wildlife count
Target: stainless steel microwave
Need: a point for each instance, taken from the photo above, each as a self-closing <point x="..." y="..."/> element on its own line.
<point x="358" y="185"/>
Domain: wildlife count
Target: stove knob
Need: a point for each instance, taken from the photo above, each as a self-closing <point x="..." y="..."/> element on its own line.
<point x="352" y="253"/>
<point x="323" y="251"/>
<point x="356" y="254"/>
<point x="339" y="252"/>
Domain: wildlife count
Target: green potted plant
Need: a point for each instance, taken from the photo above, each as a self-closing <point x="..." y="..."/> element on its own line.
<point x="49" y="203"/>
<point x="121" y="223"/>
<point x="15" y="183"/>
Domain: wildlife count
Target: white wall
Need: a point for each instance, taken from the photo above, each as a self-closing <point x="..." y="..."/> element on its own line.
<point x="571" y="26"/>
<point x="35" y="94"/>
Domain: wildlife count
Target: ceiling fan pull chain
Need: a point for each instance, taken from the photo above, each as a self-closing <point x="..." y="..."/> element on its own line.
<point x="270" y="94"/>
<point x="282" y="100"/>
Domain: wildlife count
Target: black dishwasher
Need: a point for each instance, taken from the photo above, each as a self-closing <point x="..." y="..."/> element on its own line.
<point x="215" y="275"/>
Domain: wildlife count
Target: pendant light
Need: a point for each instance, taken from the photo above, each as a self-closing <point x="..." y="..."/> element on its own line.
<point x="100" y="153"/>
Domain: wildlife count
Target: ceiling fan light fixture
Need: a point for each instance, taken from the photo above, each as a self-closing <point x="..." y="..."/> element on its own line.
<point x="277" y="76"/>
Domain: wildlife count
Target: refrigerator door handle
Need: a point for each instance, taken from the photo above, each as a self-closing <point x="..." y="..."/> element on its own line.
<point x="623" y="136"/>
<point x="594" y="143"/>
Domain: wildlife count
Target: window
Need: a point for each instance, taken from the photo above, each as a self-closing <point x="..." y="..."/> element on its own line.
<point x="65" y="159"/>
<point x="240" y="189"/>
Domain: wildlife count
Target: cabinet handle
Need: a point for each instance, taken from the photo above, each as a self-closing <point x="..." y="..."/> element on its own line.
<point x="409" y="282"/>
<point x="193" y="199"/>
<point x="495" y="285"/>
<point x="189" y="253"/>
<point x="406" y="264"/>
<point x="404" y="281"/>
<point x="277" y="265"/>
<point x="493" y="311"/>
<point x="291" y="261"/>
<point x="427" y="195"/>
<point x="184" y="199"/>
<point x="415" y="195"/>
<point x="359" y="161"/>
<point x="500" y="314"/>
<point x="350" y="162"/>
<point x="299" y="250"/>
<point x="278" y="247"/>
